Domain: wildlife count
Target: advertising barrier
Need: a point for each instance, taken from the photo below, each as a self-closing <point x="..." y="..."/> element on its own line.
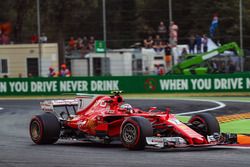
<point x="131" y="84"/>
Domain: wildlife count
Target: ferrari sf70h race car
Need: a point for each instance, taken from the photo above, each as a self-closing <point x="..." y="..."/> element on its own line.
<point x="103" y="119"/>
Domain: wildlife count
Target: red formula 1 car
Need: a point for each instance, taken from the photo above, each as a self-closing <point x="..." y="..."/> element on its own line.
<point x="101" y="118"/>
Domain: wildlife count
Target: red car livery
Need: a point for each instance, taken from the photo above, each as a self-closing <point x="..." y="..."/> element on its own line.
<point x="103" y="119"/>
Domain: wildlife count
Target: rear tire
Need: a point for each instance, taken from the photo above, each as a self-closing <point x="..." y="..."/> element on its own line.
<point x="44" y="129"/>
<point x="205" y="124"/>
<point x="134" y="131"/>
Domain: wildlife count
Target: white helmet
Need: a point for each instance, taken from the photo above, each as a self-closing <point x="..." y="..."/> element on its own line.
<point x="127" y="107"/>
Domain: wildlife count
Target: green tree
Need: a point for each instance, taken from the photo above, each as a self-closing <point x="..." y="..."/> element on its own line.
<point x="128" y="21"/>
<point x="121" y="23"/>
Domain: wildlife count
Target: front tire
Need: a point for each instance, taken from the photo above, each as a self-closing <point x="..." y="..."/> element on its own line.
<point x="134" y="131"/>
<point x="205" y="124"/>
<point x="44" y="129"/>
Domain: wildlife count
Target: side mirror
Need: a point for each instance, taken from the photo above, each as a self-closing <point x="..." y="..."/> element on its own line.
<point x="167" y="112"/>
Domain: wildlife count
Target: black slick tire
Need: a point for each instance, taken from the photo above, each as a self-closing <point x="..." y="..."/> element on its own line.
<point x="134" y="131"/>
<point x="205" y="124"/>
<point x="44" y="129"/>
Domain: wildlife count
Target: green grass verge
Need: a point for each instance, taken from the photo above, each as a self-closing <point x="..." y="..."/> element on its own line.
<point x="183" y="118"/>
<point x="239" y="126"/>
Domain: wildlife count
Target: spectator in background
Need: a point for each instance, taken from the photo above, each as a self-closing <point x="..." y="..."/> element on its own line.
<point x="222" y="68"/>
<point x="34" y="38"/>
<point x="78" y="44"/>
<point x="173" y="33"/>
<point x="191" y="44"/>
<point x="91" y="43"/>
<point x="198" y="42"/>
<point x="184" y="52"/>
<point x="5" y="39"/>
<point x="64" y="72"/>
<point x="52" y="72"/>
<point x="20" y="75"/>
<point x="232" y="67"/>
<point x="162" y="30"/>
<point x="85" y="48"/>
<point x="148" y="43"/>
<point x="85" y="42"/>
<point x="1" y="40"/>
<point x="214" y="66"/>
<point x="205" y="42"/>
<point x="158" y="44"/>
<point x="72" y="43"/>
<point x="44" y="38"/>
<point x="159" y="69"/>
<point x="168" y="57"/>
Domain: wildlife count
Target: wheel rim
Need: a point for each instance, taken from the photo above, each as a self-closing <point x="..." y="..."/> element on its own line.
<point x="35" y="130"/>
<point x="200" y="123"/>
<point x="129" y="133"/>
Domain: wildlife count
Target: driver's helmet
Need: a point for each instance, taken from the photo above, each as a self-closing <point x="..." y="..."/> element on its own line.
<point x="126" y="107"/>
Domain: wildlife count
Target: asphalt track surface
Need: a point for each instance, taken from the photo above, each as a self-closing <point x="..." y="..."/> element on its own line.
<point x="17" y="150"/>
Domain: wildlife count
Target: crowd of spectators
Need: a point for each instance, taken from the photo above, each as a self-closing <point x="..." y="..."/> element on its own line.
<point x="198" y="44"/>
<point x="5" y="30"/>
<point x="165" y="39"/>
<point x="222" y="66"/>
<point x="157" y="43"/>
<point x="43" y="38"/>
<point x="64" y="72"/>
<point x="4" y="38"/>
<point x="162" y="30"/>
<point x="84" y="45"/>
<point x="161" y="38"/>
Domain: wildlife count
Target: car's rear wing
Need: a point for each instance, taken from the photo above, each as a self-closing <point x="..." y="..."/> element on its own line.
<point x="48" y="106"/>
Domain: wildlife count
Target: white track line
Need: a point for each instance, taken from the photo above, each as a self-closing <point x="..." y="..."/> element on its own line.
<point x="240" y="101"/>
<point x="220" y="105"/>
